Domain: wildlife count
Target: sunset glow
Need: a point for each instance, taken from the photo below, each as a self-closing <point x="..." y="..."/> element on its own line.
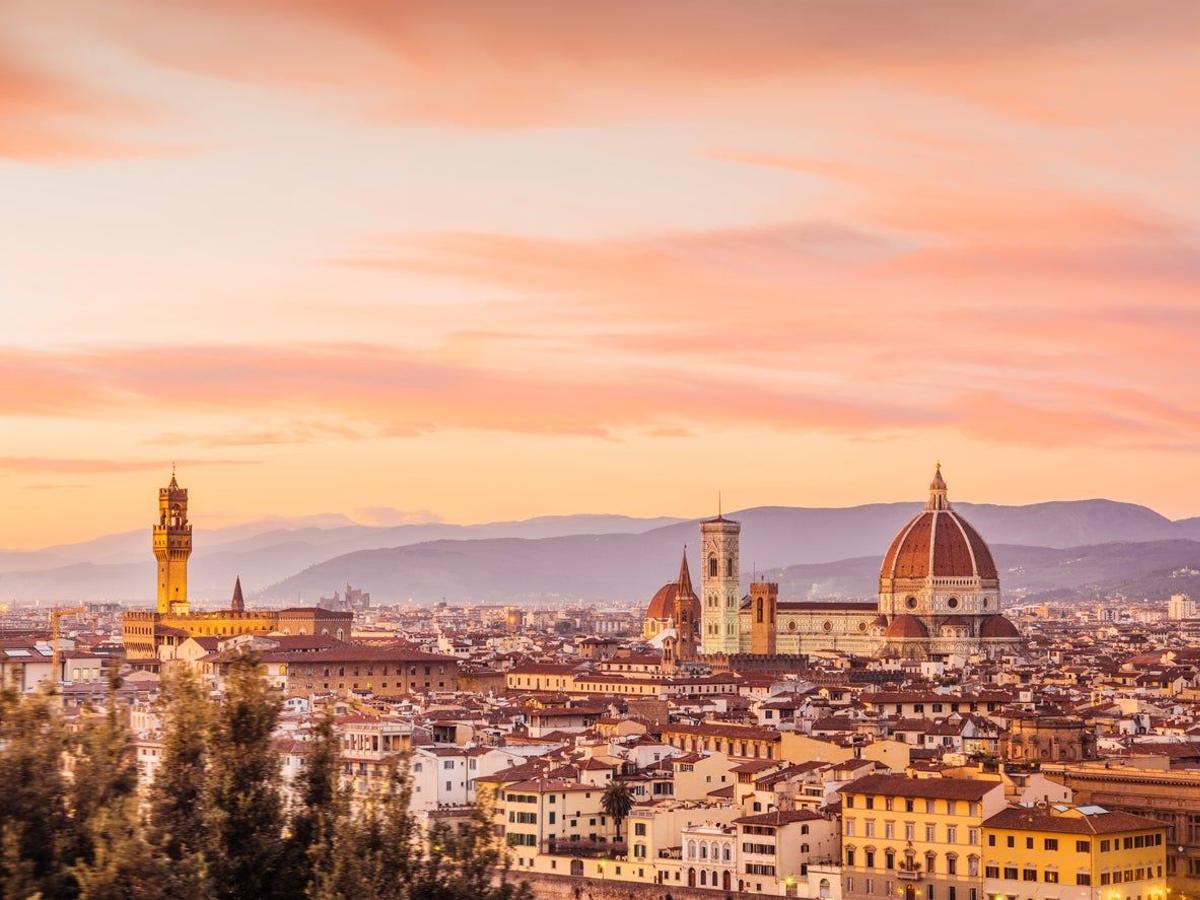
<point x="488" y="260"/>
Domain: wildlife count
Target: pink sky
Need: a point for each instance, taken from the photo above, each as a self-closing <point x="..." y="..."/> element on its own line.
<point x="496" y="259"/>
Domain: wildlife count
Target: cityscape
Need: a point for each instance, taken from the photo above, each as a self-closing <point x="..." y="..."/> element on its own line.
<point x="665" y="450"/>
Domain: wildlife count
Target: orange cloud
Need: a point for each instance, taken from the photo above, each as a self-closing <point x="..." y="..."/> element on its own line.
<point x="27" y="464"/>
<point x="44" y="117"/>
<point x="505" y="63"/>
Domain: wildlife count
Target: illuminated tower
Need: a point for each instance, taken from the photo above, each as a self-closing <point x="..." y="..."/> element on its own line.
<point x="721" y="595"/>
<point x="172" y="547"/>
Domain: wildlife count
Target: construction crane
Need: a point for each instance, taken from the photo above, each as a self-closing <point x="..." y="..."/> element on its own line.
<point x="55" y="651"/>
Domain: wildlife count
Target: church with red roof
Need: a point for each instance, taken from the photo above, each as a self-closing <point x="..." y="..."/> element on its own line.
<point x="939" y="597"/>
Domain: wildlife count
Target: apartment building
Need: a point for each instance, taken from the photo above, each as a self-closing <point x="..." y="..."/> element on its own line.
<point x="1063" y="852"/>
<point x="917" y="838"/>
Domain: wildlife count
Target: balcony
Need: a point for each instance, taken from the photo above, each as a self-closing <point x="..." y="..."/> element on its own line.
<point x="908" y="871"/>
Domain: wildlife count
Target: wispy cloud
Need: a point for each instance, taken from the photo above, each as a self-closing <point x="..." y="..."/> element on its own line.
<point x="35" y="464"/>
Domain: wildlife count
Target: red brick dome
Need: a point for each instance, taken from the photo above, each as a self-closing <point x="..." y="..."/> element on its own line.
<point x="906" y="627"/>
<point x="998" y="627"/>
<point x="662" y="604"/>
<point x="938" y="543"/>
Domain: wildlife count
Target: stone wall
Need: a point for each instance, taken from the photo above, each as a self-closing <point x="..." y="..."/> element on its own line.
<point x="565" y="887"/>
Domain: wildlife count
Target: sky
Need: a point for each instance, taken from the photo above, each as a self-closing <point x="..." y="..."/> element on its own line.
<point x="487" y="259"/>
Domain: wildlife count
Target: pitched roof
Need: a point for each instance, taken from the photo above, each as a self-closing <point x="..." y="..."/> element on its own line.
<point x="934" y="788"/>
<point x="1035" y="819"/>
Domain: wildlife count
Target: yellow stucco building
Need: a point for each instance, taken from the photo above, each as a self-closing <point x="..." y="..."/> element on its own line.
<point x="1062" y="852"/>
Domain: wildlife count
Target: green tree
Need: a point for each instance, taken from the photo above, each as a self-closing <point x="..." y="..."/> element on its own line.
<point x="244" y="820"/>
<point x="375" y="849"/>
<point x="123" y="865"/>
<point x="320" y="807"/>
<point x="34" y="820"/>
<point x="177" y="809"/>
<point x="105" y="774"/>
<point x="617" y="801"/>
<point x="465" y="862"/>
<point x="177" y="801"/>
<point x="382" y="853"/>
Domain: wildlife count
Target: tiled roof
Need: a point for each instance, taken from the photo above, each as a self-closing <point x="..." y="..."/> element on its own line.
<point x="935" y="788"/>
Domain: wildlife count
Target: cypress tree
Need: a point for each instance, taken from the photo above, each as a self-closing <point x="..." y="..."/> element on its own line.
<point x="123" y="865"/>
<point x="105" y="775"/>
<point x="177" y="810"/>
<point x="34" y="821"/>
<point x="321" y="806"/>
<point x="244" y="846"/>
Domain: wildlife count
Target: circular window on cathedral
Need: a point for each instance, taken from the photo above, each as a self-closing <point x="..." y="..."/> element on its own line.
<point x="911" y="602"/>
<point x="792" y="625"/>
<point x="828" y="626"/>
<point x="952" y="603"/>
<point x="862" y="626"/>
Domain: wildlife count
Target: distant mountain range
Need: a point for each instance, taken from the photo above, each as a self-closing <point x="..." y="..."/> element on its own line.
<point x="1066" y="548"/>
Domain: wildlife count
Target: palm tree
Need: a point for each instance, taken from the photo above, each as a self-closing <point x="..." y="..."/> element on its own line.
<point x="617" y="801"/>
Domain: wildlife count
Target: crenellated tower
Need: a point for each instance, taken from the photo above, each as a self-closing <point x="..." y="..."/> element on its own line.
<point x="172" y="547"/>
<point x="721" y="594"/>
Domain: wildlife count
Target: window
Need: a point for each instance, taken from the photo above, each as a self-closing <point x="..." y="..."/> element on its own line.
<point x="1050" y="876"/>
<point x="870" y="859"/>
<point x="951" y="834"/>
<point x="1083" y="878"/>
<point x="951" y="865"/>
<point x="849" y="856"/>
<point x="991" y="840"/>
<point x="1029" y="874"/>
<point x="639" y="829"/>
<point x="1010" y="841"/>
<point x="991" y="871"/>
<point x="1010" y="873"/>
<point x="1051" y="843"/>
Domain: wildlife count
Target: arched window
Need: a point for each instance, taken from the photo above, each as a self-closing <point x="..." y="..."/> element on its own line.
<point x="703" y="876"/>
<point x="823" y="889"/>
<point x="703" y="854"/>
<point x="691" y="850"/>
<point x="712" y="567"/>
<point x="729" y="567"/>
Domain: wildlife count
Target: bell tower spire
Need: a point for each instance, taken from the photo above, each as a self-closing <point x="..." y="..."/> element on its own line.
<point x="172" y="543"/>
